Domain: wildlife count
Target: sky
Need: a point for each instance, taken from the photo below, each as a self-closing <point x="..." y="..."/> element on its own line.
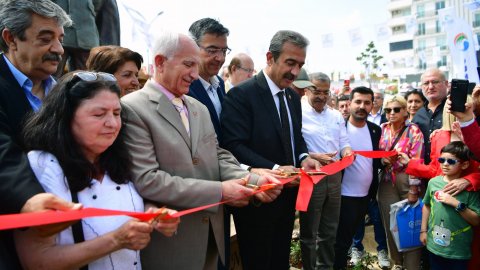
<point x="252" y="23"/>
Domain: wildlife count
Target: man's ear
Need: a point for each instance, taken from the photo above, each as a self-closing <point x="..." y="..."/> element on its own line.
<point x="270" y="59"/>
<point x="9" y="39"/>
<point x="160" y="61"/>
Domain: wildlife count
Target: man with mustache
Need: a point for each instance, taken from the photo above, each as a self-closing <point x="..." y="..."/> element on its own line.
<point x="261" y="126"/>
<point x="326" y="136"/>
<point x="31" y="41"/>
<point x="360" y="180"/>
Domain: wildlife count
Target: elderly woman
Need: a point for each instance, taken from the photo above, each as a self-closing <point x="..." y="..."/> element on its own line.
<point x="415" y="101"/>
<point x="123" y="63"/>
<point x="77" y="152"/>
<point x="394" y="186"/>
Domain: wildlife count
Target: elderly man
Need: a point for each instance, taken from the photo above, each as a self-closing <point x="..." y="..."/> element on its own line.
<point x="177" y="161"/>
<point x="377" y="116"/>
<point x="32" y="34"/>
<point x="429" y="117"/>
<point x="211" y="37"/>
<point x="241" y="68"/>
<point x="326" y="136"/>
<point x="261" y="124"/>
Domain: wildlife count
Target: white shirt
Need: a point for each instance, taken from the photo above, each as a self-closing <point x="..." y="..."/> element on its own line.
<point x="275" y="90"/>
<point x="107" y="194"/>
<point x="375" y="118"/>
<point x="324" y="132"/>
<point x="358" y="176"/>
<point x="211" y="88"/>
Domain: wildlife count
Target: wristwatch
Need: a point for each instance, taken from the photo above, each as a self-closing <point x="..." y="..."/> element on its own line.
<point x="461" y="207"/>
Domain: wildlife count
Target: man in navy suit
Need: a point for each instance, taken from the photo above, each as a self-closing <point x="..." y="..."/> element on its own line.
<point x="31" y="41"/>
<point x="262" y="127"/>
<point x="211" y="37"/>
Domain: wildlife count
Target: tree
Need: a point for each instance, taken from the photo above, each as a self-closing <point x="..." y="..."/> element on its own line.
<point x="370" y="60"/>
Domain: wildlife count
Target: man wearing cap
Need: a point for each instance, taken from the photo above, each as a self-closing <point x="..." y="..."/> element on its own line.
<point x="302" y="83"/>
<point x="240" y="68"/>
<point x="326" y="136"/>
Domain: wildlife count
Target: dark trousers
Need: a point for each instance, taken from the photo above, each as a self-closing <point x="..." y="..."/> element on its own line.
<point x="352" y="213"/>
<point x="441" y="263"/>
<point x="226" y="225"/>
<point x="264" y="232"/>
<point x="379" y="231"/>
<point x="76" y="58"/>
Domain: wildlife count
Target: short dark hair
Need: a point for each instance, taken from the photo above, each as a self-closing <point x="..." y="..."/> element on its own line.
<point x="459" y="150"/>
<point x="284" y="36"/>
<point x="415" y="92"/>
<point x="343" y="98"/>
<point x="50" y="130"/>
<point x="361" y="90"/>
<point x="207" y="26"/>
<point x="110" y="58"/>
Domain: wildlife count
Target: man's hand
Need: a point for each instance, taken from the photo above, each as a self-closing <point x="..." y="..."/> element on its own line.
<point x="324" y="158"/>
<point x="167" y="227"/>
<point x="461" y="116"/>
<point x="456" y="186"/>
<point x="261" y="172"/>
<point x="47" y="201"/>
<point x="310" y="164"/>
<point x="271" y="194"/>
<point x="236" y="190"/>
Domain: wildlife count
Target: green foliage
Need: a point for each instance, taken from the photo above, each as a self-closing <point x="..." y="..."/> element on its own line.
<point x="370" y="58"/>
<point x="295" y="254"/>
<point x="367" y="262"/>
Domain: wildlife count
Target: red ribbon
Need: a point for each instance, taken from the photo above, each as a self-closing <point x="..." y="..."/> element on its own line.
<point x="13" y="221"/>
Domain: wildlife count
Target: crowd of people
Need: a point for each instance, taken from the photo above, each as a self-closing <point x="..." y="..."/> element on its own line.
<point x="98" y="137"/>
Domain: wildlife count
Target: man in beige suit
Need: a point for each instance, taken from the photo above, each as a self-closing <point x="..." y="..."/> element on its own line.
<point x="177" y="161"/>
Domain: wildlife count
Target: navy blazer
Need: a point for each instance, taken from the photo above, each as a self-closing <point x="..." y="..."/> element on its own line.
<point x="17" y="180"/>
<point x="198" y="92"/>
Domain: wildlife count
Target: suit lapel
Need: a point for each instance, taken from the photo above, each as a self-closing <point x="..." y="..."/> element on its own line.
<point x="166" y="110"/>
<point x="268" y="102"/>
<point x="193" y="118"/>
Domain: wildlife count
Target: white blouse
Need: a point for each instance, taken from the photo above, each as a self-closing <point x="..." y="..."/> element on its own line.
<point x="105" y="194"/>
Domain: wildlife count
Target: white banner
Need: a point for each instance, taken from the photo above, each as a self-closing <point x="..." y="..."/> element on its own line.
<point x="460" y="40"/>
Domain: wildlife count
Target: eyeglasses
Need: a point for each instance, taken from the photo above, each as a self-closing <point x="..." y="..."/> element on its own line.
<point x="395" y="110"/>
<point x="214" y="51"/>
<point x="450" y="161"/>
<point x="434" y="83"/>
<point x="319" y="92"/>
<point x="248" y="70"/>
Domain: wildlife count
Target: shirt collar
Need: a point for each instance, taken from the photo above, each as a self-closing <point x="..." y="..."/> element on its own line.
<point x="24" y="81"/>
<point x="214" y="82"/>
<point x="273" y="87"/>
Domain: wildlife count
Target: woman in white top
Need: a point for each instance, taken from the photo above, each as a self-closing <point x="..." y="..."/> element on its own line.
<point x="78" y="153"/>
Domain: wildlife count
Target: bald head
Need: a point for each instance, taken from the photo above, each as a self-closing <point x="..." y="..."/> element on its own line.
<point x="241" y="68"/>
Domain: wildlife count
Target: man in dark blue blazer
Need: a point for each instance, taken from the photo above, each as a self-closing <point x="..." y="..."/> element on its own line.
<point x="32" y="44"/>
<point x="261" y="125"/>
<point x="209" y="89"/>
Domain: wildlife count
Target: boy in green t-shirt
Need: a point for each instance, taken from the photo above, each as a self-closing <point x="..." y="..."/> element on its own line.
<point x="449" y="218"/>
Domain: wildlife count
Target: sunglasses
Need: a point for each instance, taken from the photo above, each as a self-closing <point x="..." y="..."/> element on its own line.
<point x="450" y="161"/>
<point x="89" y="76"/>
<point x="395" y="110"/>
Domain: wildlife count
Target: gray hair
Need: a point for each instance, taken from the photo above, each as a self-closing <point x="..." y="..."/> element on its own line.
<point x="166" y="44"/>
<point x="319" y="76"/>
<point x="206" y="26"/>
<point x="16" y="16"/>
<point x="283" y="36"/>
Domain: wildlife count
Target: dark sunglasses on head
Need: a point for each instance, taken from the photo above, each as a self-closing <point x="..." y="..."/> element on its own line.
<point x="450" y="161"/>
<point x="395" y="110"/>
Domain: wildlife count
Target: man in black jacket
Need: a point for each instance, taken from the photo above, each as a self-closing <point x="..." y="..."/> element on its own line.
<point x="261" y="124"/>
<point x="32" y="33"/>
